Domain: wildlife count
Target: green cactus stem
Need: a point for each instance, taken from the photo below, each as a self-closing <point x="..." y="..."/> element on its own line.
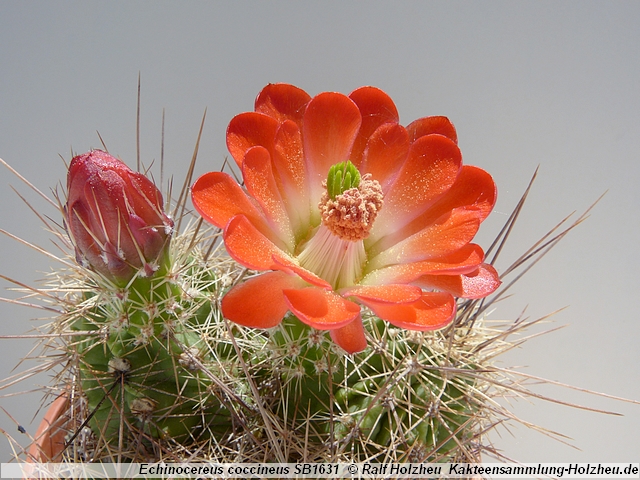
<point x="405" y="395"/>
<point x="146" y="353"/>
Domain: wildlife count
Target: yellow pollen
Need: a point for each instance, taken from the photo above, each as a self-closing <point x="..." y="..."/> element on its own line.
<point x="351" y="214"/>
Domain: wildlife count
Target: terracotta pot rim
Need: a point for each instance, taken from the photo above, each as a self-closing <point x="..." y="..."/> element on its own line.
<point x="49" y="441"/>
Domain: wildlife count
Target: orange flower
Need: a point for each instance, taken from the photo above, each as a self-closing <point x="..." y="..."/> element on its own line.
<point x="388" y="227"/>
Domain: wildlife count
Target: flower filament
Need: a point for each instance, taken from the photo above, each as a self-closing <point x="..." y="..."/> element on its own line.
<point x="332" y="258"/>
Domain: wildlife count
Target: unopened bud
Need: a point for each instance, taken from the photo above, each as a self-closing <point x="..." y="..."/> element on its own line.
<point x="115" y="217"/>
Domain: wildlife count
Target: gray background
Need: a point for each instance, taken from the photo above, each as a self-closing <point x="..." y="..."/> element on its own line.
<point x="555" y="84"/>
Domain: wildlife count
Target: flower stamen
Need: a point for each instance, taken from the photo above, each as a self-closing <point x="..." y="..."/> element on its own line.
<point x="350" y="214"/>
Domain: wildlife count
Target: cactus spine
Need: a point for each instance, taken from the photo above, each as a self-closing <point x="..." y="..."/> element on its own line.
<point x="161" y="371"/>
<point x="140" y="360"/>
<point x="408" y="398"/>
<point x="158" y="365"/>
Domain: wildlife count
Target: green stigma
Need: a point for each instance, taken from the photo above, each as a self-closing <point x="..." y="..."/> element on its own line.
<point x="342" y="176"/>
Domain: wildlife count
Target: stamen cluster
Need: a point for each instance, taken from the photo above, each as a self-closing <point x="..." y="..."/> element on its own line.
<point x="350" y="215"/>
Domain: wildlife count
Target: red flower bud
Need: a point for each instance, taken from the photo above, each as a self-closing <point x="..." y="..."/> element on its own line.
<point x="115" y="217"/>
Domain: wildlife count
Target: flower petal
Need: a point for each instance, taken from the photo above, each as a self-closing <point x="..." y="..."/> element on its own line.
<point x="288" y="161"/>
<point x="261" y="185"/>
<point x="465" y="260"/>
<point x="321" y="309"/>
<point x="145" y="198"/>
<point x="429" y="125"/>
<point x="376" y="108"/>
<point x="331" y="123"/>
<point x="449" y="233"/>
<point x="384" y="293"/>
<point x="282" y="102"/>
<point x="89" y="239"/>
<point x="218" y="197"/>
<point x="259" y="302"/>
<point x="249" y="247"/>
<point x="385" y="153"/>
<point x="350" y="337"/>
<point x="247" y="130"/>
<point x="287" y="265"/>
<point x="477" y="284"/>
<point x="433" y="310"/>
<point x="431" y="168"/>
<point x="473" y="191"/>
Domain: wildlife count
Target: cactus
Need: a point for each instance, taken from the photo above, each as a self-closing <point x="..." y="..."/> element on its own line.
<point x="411" y="397"/>
<point x="139" y="357"/>
<point x="154" y="371"/>
<point x="140" y="345"/>
<point x="159" y="366"/>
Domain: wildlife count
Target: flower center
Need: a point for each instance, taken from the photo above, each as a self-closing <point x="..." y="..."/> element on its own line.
<point x="350" y="203"/>
<point x="348" y="207"/>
